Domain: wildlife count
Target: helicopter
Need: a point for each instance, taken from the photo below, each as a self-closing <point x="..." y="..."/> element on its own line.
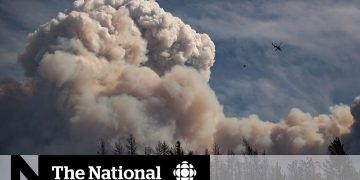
<point x="277" y="47"/>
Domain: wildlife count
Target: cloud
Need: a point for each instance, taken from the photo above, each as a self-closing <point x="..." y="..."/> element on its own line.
<point x="105" y="69"/>
<point x="317" y="68"/>
<point x="352" y="141"/>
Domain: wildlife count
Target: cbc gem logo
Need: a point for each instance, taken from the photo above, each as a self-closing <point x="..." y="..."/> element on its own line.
<point x="184" y="171"/>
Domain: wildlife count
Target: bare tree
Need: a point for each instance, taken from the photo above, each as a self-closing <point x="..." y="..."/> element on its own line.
<point x="118" y="148"/>
<point x="131" y="145"/>
<point x="102" y="148"/>
<point x="216" y="149"/>
<point x="336" y="147"/>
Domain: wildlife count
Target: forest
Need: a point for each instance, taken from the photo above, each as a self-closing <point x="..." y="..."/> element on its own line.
<point x="250" y="164"/>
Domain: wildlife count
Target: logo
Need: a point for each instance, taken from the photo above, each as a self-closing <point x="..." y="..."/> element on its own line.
<point x="20" y="164"/>
<point x="184" y="171"/>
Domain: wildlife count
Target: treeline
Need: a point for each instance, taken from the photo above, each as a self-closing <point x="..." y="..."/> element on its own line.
<point x="268" y="168"/>
<point x="130" y="147"/>
<point x="337" y="166"/>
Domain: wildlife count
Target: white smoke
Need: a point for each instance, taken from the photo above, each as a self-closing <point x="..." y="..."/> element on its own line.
<point x="120" y="67"/>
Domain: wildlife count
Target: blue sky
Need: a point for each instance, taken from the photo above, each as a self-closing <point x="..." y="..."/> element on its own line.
<point x="319" y="65"/>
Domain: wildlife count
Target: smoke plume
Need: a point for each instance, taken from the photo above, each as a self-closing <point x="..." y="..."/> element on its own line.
<point x="110" y="68"/>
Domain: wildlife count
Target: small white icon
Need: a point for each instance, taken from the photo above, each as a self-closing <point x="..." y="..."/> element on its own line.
<point x="184" y="171"/>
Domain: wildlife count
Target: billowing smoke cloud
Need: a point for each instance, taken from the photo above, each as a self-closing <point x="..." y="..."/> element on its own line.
<point x="109" y="68"/>
<point x="299" y="133"/>
<point x="352" y="140"/>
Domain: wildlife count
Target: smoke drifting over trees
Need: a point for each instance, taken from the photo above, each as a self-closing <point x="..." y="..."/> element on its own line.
<point x="106" y="69"/>
<point x="278" y="168"/>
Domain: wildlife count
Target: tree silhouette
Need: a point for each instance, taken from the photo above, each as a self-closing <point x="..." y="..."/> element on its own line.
<point x="162" y="148"/>
<point x="248" y="149"/>
<point x="118" y="148"/>
<point x="276" y="173"/>
<point x="206" y="152"/>
<point x="102" y="148"/>
<point x="177" y="150"/>
<point x="216" y="149"/>
<point x="336" y="147"/>
<point x="340" y="168"/>
<point x="131" y="145"/>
